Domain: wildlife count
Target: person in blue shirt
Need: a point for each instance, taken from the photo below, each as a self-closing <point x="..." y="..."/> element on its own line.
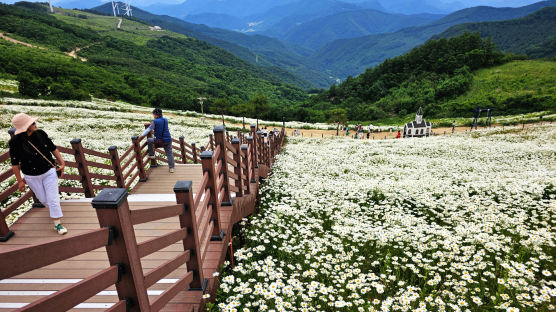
<point x="162" y="137"/>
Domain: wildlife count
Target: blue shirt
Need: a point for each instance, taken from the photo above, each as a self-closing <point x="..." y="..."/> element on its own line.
<point x="161" y="131"/>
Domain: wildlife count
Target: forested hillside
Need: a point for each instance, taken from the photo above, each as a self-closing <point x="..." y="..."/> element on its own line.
<point x="269" y="53"/>
<point x="347" y="57"/>
<point x="134" y="64"/>
<point x="533" y="35"/>
<point x="441" y="76"/>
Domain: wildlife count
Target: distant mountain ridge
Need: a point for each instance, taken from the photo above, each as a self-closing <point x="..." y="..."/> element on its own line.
<point x="350" y="57"/>
<point x="280" y="18"/>
<point x="317" y="33"/>
<point x="268" y="52"/>
<point x="533" y="35"/>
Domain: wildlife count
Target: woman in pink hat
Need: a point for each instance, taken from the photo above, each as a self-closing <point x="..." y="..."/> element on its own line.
<point x="31" y="153"/>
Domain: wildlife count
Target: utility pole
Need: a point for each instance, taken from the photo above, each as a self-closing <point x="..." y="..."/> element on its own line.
<point x="201" y="99"/>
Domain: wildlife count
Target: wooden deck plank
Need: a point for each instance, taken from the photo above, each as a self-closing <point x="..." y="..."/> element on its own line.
<point x="79" y="217"/>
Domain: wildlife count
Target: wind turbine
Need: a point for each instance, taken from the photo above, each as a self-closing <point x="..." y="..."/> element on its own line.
<point x="50" y="4"/>
<point x="127" y="8"/>
<point x="115" y="8"/>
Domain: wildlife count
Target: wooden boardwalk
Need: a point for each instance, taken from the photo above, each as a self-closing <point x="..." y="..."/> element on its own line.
<point x="79" y="217"/>
<point x="156" y="248"/>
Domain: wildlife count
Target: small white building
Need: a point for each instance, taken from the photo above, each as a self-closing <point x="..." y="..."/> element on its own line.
<point x="418" y="127"/>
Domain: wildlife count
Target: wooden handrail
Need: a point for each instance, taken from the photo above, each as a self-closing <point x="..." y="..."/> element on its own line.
<point x="127" y="153"/>
<point x="4" y="156"/>
<point x="95" y="153"/>
<point x="231" y="161"/>
<point x="154" y="214"/>
<point x="230" y="147"/>
<point x="6" y="174"/>
<point x="11" y="208"/>
<point x="202" y="208"/>
<point x="148" y="247"/>
<point x="25" y="259"/>
<point x="71" y="296"/>
<point x="99" y="165"/>
<point x="201" y="189"/>
<point x="171" y="292"/>
<point x="120" y="306"/>
<point x="166" y="268"/>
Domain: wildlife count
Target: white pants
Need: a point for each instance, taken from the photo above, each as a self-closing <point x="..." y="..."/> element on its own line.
<point x="45" y="187"/>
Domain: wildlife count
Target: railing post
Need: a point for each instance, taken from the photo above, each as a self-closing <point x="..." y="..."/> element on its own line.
<point x="247" y="170"/>
<point x="270" y="152"/>
<point x="113" y="212"/>
<point x="194" y="150"/>
<point x="259" y="147"/>
<point x="208" y="166"/>
<point x="83" y="168"/>
<point x="182" y="149"/>
<point x="251" y="144"/>
<point x="220" y="140"/>
<point x="271" y="149"/>
<point x="5" y="233"/>
<point x="113" y="150"/>
<point x="139" y="159"/>
<point x="237" y="169"/>
<point x="211" y="141"/>
<point x="188" y="220"/>
<point x="254" y="146"/>
<point x="154" y="164"/>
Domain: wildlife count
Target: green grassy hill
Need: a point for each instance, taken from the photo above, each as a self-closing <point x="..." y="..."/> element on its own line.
<point x="515" y="87"/>
<point x="531" y="35"/>
<point x="447" y="78"/>
<point x="134" y="64"/>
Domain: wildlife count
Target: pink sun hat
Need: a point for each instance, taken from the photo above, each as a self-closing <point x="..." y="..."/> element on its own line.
<point x="22" y="122"/>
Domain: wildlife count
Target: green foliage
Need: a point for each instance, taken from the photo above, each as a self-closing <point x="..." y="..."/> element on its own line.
<point x="532" y="35"/>
<point x="429" y="74"/>
<point x="133" y="64"/>
<point x="36" y="26"/>
<point x="260" y="105"/>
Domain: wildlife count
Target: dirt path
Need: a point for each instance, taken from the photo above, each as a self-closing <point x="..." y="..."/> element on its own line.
<point x="3" y="36"/>
<point x="73" y="54"/>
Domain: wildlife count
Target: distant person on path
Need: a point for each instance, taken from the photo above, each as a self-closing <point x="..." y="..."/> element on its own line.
<point x="360" y="134"/>
<point x="162" y="137"/>
<point x="371" y="128"/>
<point x="453" y="127"/>
<point x="399" y="135"/>
<point x="368" y="134"/>
<point x="31" y="153"/>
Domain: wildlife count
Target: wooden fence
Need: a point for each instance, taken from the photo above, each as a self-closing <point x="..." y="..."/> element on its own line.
<point x="95" y="171"/>
<point x="198" y="214"/>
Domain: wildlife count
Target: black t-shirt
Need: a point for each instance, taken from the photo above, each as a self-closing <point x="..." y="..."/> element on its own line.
<point x="24" y="155"/>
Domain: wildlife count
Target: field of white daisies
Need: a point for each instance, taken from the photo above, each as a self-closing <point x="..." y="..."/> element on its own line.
<point x="455" y="223"/>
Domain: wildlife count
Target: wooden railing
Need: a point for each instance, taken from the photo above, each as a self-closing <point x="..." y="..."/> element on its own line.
<point x="230" y="160"/>
<point x="198" y="215"/>
<point x="93" y="171"/>
<point x="22" y="260"/>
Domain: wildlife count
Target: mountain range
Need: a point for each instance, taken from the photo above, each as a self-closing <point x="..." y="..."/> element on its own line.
<point x="347" y="57"/>
<point x="533" y="35"/>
